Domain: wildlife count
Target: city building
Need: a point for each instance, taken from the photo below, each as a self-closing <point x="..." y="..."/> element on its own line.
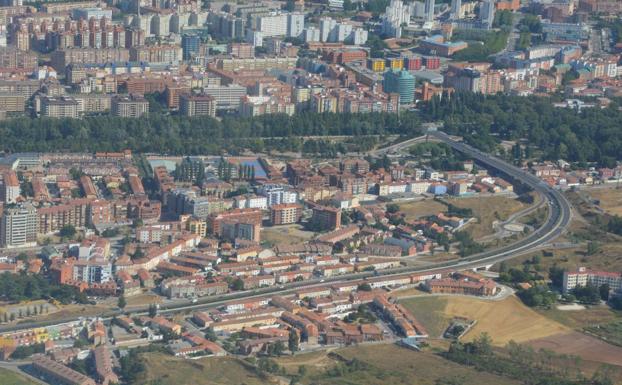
<point x="326" y="218"/>
<point x="190" y="45"/>
<point x="285" y="213"/>
<point x="57" y="372"/>
<point x="583" y="276"/>
<point x="197" y="105"/>
<point x="129" y="106"/>
<point x="59" y="107"/>
<point x="10" y="187"/>
<point x="396" y="15"/>
<point x="400" y="82"/>
<point x="18" y="226"/>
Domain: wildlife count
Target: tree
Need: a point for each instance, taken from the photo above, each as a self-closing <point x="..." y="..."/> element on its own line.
<point x="121" y="303"/>
<point x="592" y="247"/>
<point x="153" y="310"/>
<point x="237" y="284"/>
<point x="294" y="341"/>
<point x="392" y="208"/>
<point x="138" y="253"/>
<point x="67" y="232"/>
<point x="364" y="287"/>
<point x="604" y="290"/>
<point x="210" y="334"/>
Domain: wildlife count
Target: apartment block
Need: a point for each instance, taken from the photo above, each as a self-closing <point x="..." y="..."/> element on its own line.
<point x="132" y="106"/>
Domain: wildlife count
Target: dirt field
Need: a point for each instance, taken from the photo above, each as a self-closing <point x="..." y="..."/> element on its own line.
<point x="286" y="235"/>
<point x="610" y="199"/>
<point x="389" y="364"/>
<point x="215" y="371"/>
<point x="143" y="299"/>
<point x="584" y="346"/>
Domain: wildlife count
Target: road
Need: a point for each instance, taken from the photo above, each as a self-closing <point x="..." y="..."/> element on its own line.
<point x="557" y="221"/>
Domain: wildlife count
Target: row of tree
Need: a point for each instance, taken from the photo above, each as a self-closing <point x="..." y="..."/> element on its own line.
<point x="200" y="135"/>
<point x="591" y="135"/>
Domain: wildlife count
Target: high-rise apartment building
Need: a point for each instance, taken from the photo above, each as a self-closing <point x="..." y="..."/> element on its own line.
<point x="18" y="226"/>
<point x="132" y="106"/>
<point x="197" y="105"/>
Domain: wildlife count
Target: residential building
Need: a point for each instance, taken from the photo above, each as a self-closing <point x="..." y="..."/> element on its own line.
<point x="285" y="213"/>
<point x="583" y="276"/>
<point x="59" y="107"/>
<point x="18" y="226"/>
<point x="10" y="187"/>
<point x="326" y="218"/>
<point x="57" y="372"/>
<point x="132" y="106"/>
<point x="197" y="105"/>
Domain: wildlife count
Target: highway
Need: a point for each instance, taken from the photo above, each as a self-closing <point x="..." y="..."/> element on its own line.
<point x="557" y="221"/>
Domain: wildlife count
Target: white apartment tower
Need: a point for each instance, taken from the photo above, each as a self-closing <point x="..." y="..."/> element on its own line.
<point x="395" y="15"/>
<point x="456" y="9"/>
<point x="429" y="10"/>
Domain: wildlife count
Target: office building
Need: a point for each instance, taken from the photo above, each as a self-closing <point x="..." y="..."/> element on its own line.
<point x="132" y="106"/>
<point x="226" y="97"/>
<point x="400" y="82"/>
<point x="18" y="226"/>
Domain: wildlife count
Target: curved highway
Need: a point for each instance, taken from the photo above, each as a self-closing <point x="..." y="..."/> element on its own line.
<point x="558" y="219"/>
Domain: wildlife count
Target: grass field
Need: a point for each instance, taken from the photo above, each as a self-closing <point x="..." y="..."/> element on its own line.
<point x="423" y="208"/>
<point x="8" y="377"/>
<point x="504" y="320"/>
<point x="579" y="319"/>
<point x="488" y="210"/>
<point x="388" y="364"/>
<point x="286" y="235"/>
<point x="610" y="332"/>
<point x="610" y="199"/>
<point x="430" y="311"/>
<point x="213" y="371"/>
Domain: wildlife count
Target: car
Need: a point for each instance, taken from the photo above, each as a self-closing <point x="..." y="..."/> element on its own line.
<point x="322" y="280"/>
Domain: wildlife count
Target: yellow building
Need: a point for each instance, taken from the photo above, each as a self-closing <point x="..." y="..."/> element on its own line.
<point x="198" y="227"/>
<point x="377" y="65"/>
<point x="395" y="63"/>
